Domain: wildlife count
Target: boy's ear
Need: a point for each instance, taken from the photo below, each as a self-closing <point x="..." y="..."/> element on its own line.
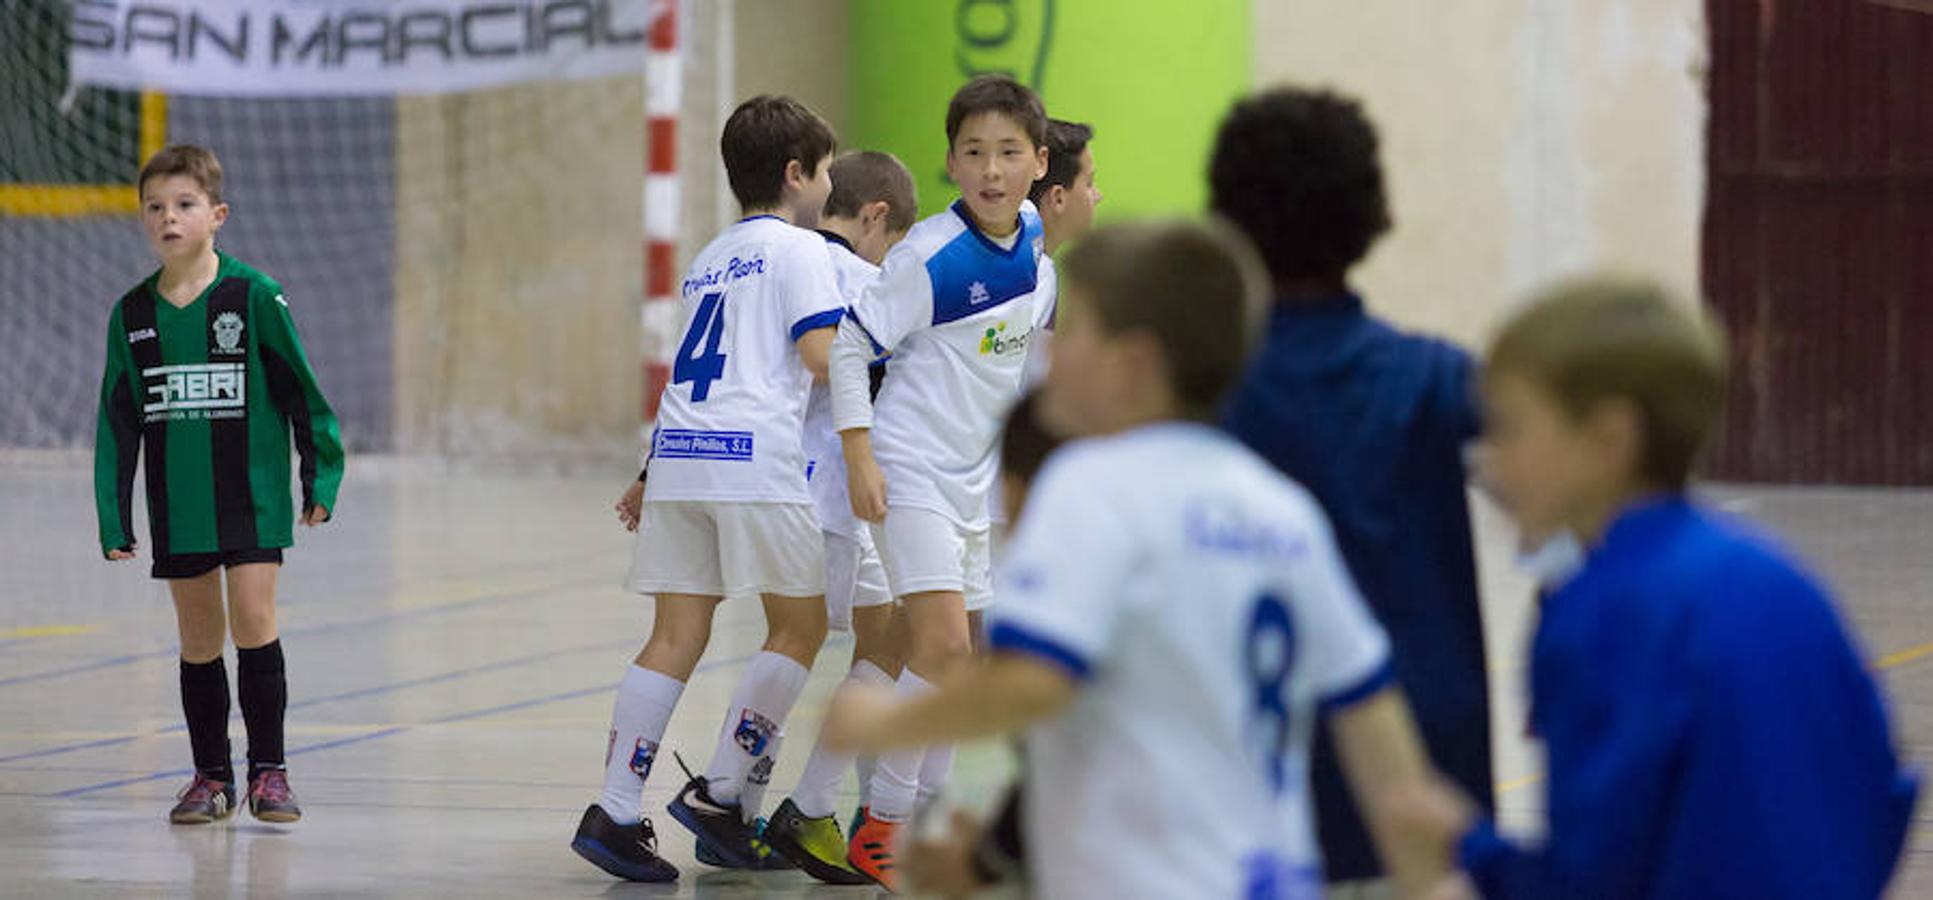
<point x="220" y="213"/>
<point x="876" y="211"/>
<point x="1056" y="196"/>
<point x="795" y="173"/>
<point x="1040" y="163"/>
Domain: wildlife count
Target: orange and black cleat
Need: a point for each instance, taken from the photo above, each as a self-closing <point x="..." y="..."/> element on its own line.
<point x="870" y="852"/>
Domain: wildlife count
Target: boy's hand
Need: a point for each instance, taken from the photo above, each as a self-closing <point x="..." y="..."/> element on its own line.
<point x="866" y="485"/>
<point x="1434" y="813"/>
<point x="945" y="866"/>
<point x="126" y="552"/>
<point x="630" y="506"/>
<point x="315" y="515"/>
<point x="852" y="720"/>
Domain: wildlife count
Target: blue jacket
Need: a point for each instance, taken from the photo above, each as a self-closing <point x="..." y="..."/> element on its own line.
<point x="1373" y="422"/>
<point x="1712" y="732"/>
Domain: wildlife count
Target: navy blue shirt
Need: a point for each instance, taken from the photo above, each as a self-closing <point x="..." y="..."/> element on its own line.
<point x="1374" y="423"/>
<point x="1711" y="730"/>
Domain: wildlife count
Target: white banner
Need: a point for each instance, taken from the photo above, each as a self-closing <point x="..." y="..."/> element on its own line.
<point x="341" y="47"/>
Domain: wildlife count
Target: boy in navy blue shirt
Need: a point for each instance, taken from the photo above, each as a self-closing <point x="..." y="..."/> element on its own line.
<point x="1711" y="729"/>
<point x="1371" y="420"/>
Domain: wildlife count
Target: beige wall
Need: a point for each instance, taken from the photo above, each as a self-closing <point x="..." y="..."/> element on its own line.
<point x="517" y="269"/>
<point x="519" y="229"/>
<point x="1523" y="139"/>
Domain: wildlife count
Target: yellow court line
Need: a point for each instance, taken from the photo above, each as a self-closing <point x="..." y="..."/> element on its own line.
<point x="34" y="631"/>
<point x="1514" y="784"/>
<point x="1905" y="656"/>
<point x="1889" y="661"/>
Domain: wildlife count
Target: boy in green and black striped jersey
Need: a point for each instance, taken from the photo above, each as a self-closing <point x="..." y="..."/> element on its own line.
<point x="205" y="382"/>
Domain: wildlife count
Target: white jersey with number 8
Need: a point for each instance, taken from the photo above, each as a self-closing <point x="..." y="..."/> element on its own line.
<point x="1198" y="598"/>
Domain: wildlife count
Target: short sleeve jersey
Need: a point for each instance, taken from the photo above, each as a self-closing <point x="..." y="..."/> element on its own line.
<point x="730" y="420"/>
<point x="1209" y="619"/>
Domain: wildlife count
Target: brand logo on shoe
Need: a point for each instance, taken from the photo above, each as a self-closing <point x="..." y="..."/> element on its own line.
<point x="754" y="733"/>
<point x="643" y="754"/>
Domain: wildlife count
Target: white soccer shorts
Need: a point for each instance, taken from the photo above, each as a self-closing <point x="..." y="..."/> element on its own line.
<point x="728" y="549"/>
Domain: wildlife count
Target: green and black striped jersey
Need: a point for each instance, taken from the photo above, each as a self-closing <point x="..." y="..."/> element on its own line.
<point x="208" y="395"/>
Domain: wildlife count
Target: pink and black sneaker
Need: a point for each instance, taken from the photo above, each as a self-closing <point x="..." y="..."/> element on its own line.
<point x="204" y="800"/>
<point x="269" y="797"/>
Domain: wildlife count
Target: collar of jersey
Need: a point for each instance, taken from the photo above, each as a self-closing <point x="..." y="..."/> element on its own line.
<point x="834" y="238"/>
<point x="224" y="266"/>
<point x="966" y="216"/>
<point x="757" y="217"/>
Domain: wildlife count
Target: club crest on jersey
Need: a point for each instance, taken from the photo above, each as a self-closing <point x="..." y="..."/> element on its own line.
<point x="228" y="333"/>
<point x="754" y="733"/>
<point x="997" y="342"/>
<point x="977" y="293"/>
<point x="643" y="754"/>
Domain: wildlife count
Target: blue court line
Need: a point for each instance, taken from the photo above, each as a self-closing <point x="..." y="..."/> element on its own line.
<point x="322" y="628"/>
<point x="702" y="668"/>
<point x="371" y="691"/>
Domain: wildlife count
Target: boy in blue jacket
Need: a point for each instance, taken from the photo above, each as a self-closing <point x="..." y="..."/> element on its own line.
<point x="1711" y="729"/>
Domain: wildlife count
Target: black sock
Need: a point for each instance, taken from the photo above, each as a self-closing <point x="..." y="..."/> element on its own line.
<point x="264" y="690"/>
<point x="204" y="700"/>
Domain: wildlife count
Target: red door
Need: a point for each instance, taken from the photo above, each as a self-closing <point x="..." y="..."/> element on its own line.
<point x="1818" y="237"/>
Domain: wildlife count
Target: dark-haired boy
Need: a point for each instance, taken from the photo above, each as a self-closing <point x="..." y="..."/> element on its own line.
<point x="1372" y="421"/>
<point x="956" y="304"/>
<point x="1156" y="633"/>
<point x="726" y="511"/>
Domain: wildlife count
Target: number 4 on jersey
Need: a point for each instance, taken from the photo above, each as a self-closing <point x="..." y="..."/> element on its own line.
<point x="702" y="366"/>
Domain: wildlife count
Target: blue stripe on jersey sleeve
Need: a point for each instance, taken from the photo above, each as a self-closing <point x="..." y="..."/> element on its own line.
<point x="1368" y="686"/>
<point x="816" y="321"/>
<point x="1006" y="636"/>
<point x="878" y="351"/>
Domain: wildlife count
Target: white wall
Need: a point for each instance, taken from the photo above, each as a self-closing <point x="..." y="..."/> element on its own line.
<point x="1523" y="139"/>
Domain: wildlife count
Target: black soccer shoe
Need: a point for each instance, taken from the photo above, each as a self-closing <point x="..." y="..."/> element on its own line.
<point x="629" y="852"/>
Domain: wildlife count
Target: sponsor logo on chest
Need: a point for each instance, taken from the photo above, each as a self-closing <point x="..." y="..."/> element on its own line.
<point x="195" y="391"/>
<point x="996" y="340"/>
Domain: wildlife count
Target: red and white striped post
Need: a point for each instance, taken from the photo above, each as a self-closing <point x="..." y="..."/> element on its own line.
<point x="663" y="92"/>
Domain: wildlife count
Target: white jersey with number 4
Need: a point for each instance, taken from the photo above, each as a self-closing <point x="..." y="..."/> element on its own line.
<point x="957" y="309"/>
<point x="1197" y="597"/>
<point x="729" y="423"/>
<point x="825" y="455"/>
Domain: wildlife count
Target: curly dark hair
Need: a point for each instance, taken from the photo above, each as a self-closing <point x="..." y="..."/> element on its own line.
<point x="1296" y="169"/>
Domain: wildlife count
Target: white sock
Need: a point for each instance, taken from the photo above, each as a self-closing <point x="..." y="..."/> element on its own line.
<point x="751" y="797"/>
<point x="645" y="700"/>
<point x="896" y="784"/>
<point x="819" y="783"/>
<point x="753" y="725"/>
<point x="935" y="770"/>
<point x="867" y="768"/>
